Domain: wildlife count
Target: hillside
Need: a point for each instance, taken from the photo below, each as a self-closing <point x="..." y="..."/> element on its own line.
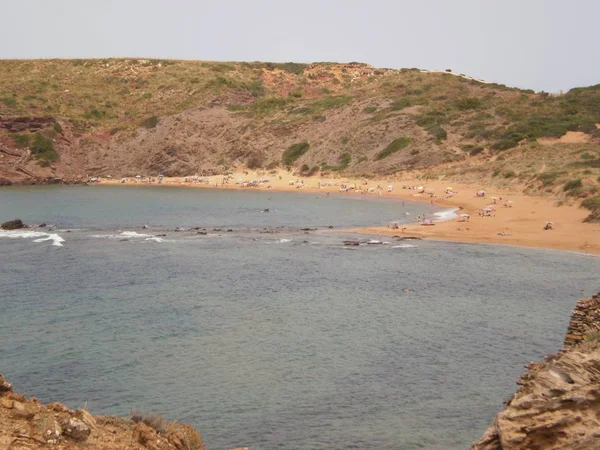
<point x="82" y="118"/>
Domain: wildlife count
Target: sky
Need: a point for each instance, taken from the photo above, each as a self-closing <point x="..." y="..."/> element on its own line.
<point x="548" y="45"/>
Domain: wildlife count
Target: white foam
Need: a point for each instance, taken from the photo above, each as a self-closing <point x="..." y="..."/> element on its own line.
<point x="404" y="246"/>
<point x="447" y="214"/>
<point x="284" y="241"/>
<point x="37" y="236"/>
<point x="129" y="235"/>
<point x="134" y="234"/>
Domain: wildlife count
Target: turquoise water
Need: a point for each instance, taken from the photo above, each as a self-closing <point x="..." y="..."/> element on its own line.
<point x="269" y="336"/>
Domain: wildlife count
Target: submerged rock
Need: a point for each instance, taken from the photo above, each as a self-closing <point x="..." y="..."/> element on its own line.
<point x="13" y="225"/>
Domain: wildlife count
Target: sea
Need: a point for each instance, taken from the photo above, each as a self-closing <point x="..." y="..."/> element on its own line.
<point x="243" y="313"/>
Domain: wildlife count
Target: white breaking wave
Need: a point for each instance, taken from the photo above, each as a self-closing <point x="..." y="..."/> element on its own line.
<point x="447" y="214"/>
<point x="404" y="246"/>
<point x="133" y="234"/>
<point x="284" y="241"/>
<point x="37" y="236"/>
<point x="129" y="235"/>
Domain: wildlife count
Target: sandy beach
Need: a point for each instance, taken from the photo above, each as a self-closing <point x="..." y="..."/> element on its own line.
<point x="515" y="218"/>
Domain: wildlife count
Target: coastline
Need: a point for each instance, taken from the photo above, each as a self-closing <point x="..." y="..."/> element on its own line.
<point x="517" y="219"/>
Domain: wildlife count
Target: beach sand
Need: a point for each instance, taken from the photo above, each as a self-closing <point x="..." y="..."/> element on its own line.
<point x="521" y="224"/>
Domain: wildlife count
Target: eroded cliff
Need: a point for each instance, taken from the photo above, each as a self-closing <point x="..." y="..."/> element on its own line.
<point x="558" y="403"/>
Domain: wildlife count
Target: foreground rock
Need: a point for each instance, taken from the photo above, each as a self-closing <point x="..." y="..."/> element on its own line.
<point x="558" y="404"/>
<point x="13" y="225"/>
<point x="28" y="424"/>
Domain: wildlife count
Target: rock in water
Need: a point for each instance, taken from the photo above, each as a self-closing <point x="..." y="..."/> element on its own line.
<point x="13" y="224"/>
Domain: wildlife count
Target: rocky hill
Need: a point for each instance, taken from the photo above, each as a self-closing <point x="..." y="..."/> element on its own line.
<point x="28" y="424"/>
<point x="72" y="119"/>
<point x="558" y="403"/>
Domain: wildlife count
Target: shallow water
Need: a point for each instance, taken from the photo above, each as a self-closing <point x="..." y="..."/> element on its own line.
<point x="273" y="340"/>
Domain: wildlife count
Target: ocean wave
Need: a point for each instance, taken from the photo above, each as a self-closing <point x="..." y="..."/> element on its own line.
<point x="447" y="214"/>
<point x="284" y="241"/>
<point x="37" y="236"/>
<point x="129" y="235"/>
<point x="404" y="246"/>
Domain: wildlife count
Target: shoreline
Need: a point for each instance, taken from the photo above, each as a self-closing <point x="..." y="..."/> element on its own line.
<point x="517" y="219"/>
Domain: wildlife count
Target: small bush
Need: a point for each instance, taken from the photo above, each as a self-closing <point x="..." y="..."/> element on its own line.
<point x="294" y="152"/>
<point x="573" y="184"/>
<point x="344" y="161"/>
<point x="509" y="174"/>
<point x="393" y="147"/>
<point x="160" y="424"/>
<point x="549" y="178"/>
<point x="43" y="149"/>
<point x="400" y="104"/>
<point x="21" y="140"/>
<point x="150" y="122"/>
<point x="467" y="103"/>
<point x="369" y="109"/>
<point x="592" y="203"/>
<point x="475" y="151"/>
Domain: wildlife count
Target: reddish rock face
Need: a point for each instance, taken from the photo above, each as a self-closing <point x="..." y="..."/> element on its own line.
<point x="30" y="424"/>
<point x="20" y="124"/>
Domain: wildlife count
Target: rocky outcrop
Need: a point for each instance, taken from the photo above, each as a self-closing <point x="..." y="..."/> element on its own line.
<point x="20" y="124"/>
<point x="558" y="404"/>
<point x="28" y="424"/>
<point x="13" y="225"/>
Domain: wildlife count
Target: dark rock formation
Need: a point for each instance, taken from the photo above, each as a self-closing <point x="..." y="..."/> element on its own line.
<point x="20" y="124"/>
<point x="13" y="225"/>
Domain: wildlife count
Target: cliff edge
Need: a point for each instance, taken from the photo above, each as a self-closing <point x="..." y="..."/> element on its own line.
<point x="558" y="403"/>
<point x="28" y="424"/>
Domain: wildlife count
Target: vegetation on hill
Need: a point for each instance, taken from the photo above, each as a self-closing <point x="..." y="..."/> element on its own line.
<point x="352" y="115"/>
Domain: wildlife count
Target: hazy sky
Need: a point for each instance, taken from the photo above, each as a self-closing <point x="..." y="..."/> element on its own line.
<point x="539" y="44"/>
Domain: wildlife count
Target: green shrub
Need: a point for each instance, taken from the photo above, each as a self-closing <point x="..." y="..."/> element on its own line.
<point x="43" y="149"/>
<point x="509" y="174"/>
<point x="294" y="152"/>
<point x="393" y="147"/>
<point x="344" y="161"/>
<point x="10" y="102"/>
<point x="400" y="104"/>
<point x="257" y="88"/>
<point x="467" y="103"/>
<point x="21" y="140"/>
<point x="592" y="203"/>
<point x="475" y="151"/>
<point x="369" y="109"/>
<point x="549" y="178"/>
<point x="150" y="122"/>
<point x="573" y="184"/>
<point x="586" y="155"/>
